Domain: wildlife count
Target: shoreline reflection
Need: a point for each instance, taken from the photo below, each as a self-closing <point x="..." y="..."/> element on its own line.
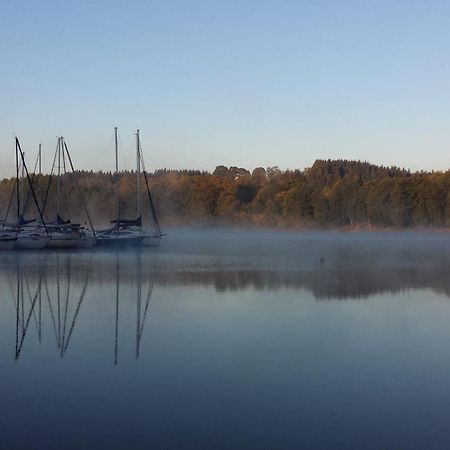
<point x="344" y="277"/>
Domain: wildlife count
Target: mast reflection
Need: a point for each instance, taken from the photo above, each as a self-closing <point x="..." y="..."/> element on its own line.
<point x="52" y="291"/>
<point x="25" y="312"/>
<point x="141" y="307"/>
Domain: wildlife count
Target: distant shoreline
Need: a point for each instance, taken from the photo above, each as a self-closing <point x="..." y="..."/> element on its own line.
<point x="303" y="229"/>
<point x="338" y="195"/>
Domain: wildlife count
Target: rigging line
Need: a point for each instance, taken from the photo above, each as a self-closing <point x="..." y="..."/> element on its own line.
<point x="51" y="309"/>
<point x="80" y="191"/>
<point x="63" y="157"/>
<point x="17" y="313"/>
<point x="147" y="303"/>
<point x="40" y="308"/>
<point x="58" y="293"/>
<point x="29" y="192"/>
<point x="41" y="277"/>
<point x="66" y="309"/>
<point x="28" y="322"/>
<point x="116" y="335"/>
<point x="152" y="206"/>
<point x="13" y="295"/>
<point x="64" y="177"/>
<point x="122" y="156"/>
<point x="138" y="311"/>
<point x="76" y="312"/>
<point x="9" y="204"/>
<point x="31" y="186"/>
<point x="17" y="181"/>
<point x="49" y="181"/>
<point x="150" y="198"/>
<point x="29" y="298"/>
<point x="21" y="301"/>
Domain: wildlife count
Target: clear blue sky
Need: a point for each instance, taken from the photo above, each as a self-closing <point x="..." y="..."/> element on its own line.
<point x="248" y="83"/>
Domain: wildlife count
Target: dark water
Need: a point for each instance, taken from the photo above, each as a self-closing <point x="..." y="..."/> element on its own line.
<point x="226" y="340"/>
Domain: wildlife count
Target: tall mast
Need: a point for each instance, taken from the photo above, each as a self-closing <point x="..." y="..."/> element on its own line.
<point x="22" y="179"/>
<point x="17" y="181"/>
<point x="117" y="178"/>
<point x="30" y="184"/>
<point x="138" y="175"/>
<point x="38" y="192"/>
<point x="58" y="178"/>
<point x="40" y="159"/>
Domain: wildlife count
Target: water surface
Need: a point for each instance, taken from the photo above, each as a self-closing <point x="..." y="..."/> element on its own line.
<point x="224" y="339"/>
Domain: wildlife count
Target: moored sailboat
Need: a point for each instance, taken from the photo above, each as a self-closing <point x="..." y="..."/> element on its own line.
<point x="26" y="235"/>
<point x="130" y="231"/>
<point x="124" y="232"/>
<point x="64" y="233"/>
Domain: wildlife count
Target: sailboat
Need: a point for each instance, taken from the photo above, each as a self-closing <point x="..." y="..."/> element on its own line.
<point x="26" y="235"/>
<point x="129" y="232"/>
<point x="63" y="233"/>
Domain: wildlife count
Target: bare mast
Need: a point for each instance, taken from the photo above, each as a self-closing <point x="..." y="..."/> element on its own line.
<point x="138" y="177"/>
<point x="117" y="178"/>
<point x="40" y="159"/>
<point x="17" y="182"/>
<point x="39" y="180"/>
<point x="58" y="179"/>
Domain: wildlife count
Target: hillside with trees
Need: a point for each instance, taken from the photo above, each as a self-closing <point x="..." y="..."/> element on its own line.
<point x="330" y="194"/>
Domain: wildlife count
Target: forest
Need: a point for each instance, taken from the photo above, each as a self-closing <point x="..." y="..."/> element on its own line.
<point x="330" y="194"/>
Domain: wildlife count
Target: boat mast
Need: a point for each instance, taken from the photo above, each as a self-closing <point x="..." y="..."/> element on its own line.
<point x="17" y="182"/>
<point x="30" y="183"/>
<point x="58" y="179"/>
<point x="40" y="159"/>
<point x="22" y="180"/>
<point x="138" y="176"/>
<point x="117" y="178"/>
<point x="38" y="191"/>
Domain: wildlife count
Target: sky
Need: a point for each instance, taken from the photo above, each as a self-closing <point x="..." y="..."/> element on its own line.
<point x="246" y="83"/>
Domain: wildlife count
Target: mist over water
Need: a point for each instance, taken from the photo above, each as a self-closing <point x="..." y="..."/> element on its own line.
<point x="229" y="339"/>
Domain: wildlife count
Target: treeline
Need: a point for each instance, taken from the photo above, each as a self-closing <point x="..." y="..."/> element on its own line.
<point x="329" y="194"/>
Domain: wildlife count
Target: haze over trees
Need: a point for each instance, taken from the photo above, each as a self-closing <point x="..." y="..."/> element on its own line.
<point x="330" y="194"/>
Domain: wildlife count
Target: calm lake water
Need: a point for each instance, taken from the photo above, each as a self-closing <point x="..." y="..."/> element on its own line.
<point x="229" y="340"/>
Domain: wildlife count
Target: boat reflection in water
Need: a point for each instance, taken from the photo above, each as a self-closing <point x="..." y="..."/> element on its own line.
<point x="55" y="293"/>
